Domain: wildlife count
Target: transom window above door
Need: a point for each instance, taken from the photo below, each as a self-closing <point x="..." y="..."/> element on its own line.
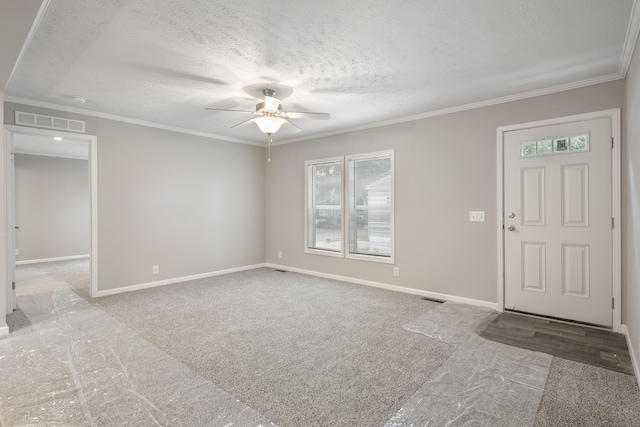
<point x="558" y="145"/>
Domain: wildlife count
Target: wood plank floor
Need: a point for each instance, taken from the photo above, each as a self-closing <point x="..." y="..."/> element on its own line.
<point x="578" y="343"/>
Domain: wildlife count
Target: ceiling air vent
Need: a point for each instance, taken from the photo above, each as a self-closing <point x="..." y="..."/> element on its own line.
<point x="42" y="121"/>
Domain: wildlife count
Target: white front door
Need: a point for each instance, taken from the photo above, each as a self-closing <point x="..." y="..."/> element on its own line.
<point x="558" y="221"/>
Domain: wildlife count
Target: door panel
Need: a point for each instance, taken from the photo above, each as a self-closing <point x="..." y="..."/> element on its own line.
<point x="558" y="210"/>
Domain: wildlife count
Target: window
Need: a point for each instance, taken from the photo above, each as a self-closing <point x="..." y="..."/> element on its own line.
<point x="370" y="206"/>
<point x="567" y="144"/>
<point x="365" y="192"/>
<point x="324" y="206"/>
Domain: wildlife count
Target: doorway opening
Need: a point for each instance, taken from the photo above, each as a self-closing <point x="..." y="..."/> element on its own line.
<point x="63" y="154"/>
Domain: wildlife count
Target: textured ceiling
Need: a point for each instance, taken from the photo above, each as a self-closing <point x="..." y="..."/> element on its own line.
<point x="362" y="61"/>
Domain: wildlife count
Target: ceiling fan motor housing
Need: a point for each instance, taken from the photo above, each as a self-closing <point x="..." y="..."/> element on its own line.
<point x="260" y="108"/>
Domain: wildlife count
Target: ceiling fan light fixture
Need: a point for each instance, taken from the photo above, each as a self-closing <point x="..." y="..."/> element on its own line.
<point x="269" y="124"/>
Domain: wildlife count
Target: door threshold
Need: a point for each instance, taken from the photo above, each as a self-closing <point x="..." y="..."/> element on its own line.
<point x="559" y="319"/>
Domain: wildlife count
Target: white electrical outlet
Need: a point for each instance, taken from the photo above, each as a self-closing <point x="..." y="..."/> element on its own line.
<point x="396" y="271"/>
<point x="156" y="269"/>
<point x="476" y="216"/>
<point x="279" y="254"/>
<point x="17" y="251"/>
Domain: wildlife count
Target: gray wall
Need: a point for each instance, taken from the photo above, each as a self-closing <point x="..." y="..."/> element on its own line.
<point x="189" y="204"/>
<point x="631" y="205"/>
<point x="51" y="207"/>
<point x="445" y="167"/>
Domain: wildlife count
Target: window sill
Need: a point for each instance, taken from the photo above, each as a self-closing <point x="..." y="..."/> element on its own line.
<point x="371" y="258"/>
<point x="323" y="252"/>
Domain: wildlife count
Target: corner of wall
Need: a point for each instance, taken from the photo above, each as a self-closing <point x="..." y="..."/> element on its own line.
<point x="635" y="362"/>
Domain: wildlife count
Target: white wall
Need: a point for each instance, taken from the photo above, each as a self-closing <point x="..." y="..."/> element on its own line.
<point x="445" y="167"/>
<point x="189" y="204"/>
<point x="51" y="207"/>
<point x="631" y="206"/>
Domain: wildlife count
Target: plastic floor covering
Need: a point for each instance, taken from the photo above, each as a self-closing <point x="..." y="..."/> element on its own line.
<point x="76" y="365"/>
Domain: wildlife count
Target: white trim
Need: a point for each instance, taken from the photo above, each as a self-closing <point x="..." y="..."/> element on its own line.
<point x="630" y="40"/>
<point x="347" y="208"/>
<point x="614" y="116"/>
<point x="434" y="295"/>
<point x="465" y="107"/>
<point x="9" y="220"/>
<point x="4" y="330"/>
<point x="174" y="280"/>
<point x="92" y="140"/>
<point x="41" y="260"/>
<point x="32" y="32"/>
<point x="428" y="114"/>
<point x="635" y="362"/>
<point x="308" y="185"/>
<point x="93" y="182"/>
<point x="132" y="121"/>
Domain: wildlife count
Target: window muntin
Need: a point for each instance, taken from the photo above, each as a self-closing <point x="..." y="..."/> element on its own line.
<point x="324" y="206"/>
<point x="370" y="206"/>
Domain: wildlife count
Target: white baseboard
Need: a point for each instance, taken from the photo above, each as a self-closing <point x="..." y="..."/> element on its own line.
<point x="434" y="295"/>
<point x="174" y="280"/>
<point x="632" y="352"/>
<point x="62" y="258"/>
<point x="4" y="330"/>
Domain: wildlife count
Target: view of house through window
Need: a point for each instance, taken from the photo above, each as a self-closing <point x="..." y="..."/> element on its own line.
<point x="370" y="204"/>
<point x="367" y="200"/>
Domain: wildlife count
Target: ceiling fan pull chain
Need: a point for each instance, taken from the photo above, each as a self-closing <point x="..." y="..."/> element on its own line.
<point x="269" y="149"/>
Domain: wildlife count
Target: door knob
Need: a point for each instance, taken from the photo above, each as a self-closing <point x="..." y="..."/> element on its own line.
<point x="511" y="215"/>
<point x="511" y="228"/>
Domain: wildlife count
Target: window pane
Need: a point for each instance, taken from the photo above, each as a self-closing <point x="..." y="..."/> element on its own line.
<point x="528" y="149"/>
<point x="560" y="144"/>
<point x="325" y="207"/>
<point x="578" y="143"/>
<point x="370" y="202"/>
<point x="544" y="146"/>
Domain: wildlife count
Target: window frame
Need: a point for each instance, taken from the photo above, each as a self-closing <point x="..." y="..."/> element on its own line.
<point x="308" y="200"/>
<point x="345" y="208"/>
<point x="348" y="209"/>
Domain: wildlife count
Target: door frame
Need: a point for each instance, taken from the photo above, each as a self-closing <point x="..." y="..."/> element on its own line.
<point x="92" y="140"/>
<point x="614" y="116"/>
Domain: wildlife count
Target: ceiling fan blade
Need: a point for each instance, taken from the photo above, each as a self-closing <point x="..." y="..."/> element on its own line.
<point x="271" y="103"/>
<point x="295" y="128"/>
<point x="233" y="111"/>
<point x="246" y="122"/>
<point x="300" y="115"/>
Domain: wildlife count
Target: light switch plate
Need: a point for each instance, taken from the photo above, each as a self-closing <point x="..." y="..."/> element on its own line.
<point x="476" y="216"/>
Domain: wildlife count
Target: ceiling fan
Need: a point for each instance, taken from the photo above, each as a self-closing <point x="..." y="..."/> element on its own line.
<point x="270" y="115"/>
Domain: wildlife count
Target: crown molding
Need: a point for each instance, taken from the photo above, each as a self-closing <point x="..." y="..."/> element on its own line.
<point x="465" y="107"/>
<point x="129" y="120"/>
<point x="630" y="40"/>
<point x="404" y="119"/>
<point x="32" y="31"/>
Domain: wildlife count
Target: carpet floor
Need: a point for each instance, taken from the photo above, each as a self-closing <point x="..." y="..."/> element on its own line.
<point x="293" y="347"/>
<point x="300" y="350"/>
